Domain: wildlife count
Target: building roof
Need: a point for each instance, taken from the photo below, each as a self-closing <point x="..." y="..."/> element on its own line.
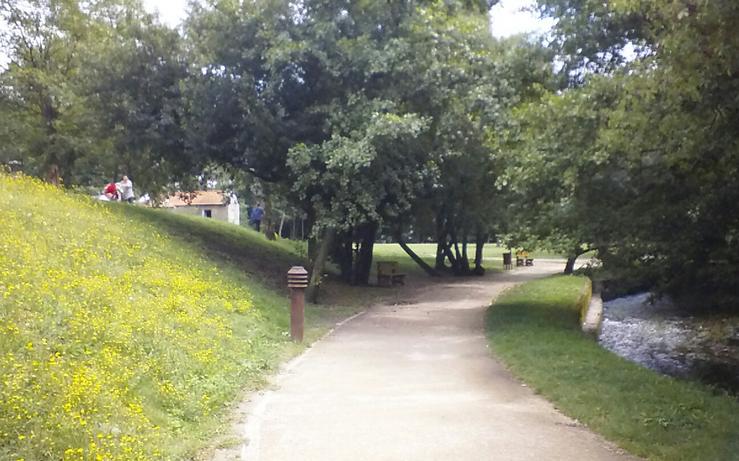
<point x="195" y="198"/>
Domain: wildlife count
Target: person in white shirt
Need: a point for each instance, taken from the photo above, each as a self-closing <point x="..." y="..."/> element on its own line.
<point x="126" y="188"/>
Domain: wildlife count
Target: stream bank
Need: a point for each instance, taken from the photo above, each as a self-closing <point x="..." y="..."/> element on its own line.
<point x="660" y="337"/>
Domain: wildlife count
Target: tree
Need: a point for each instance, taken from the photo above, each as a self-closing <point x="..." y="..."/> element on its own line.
<point x="334" y="90"/>
<point x="677" y="124"/>
<point x="45" y="41"/>
<point x="357" y="181"/>
<point x="92" y="90"/>
<point x="592" y="36"/>
<point x="563" y="184"/>
<point x="661" y="145"/>
<point x="457" y="84"/>
<point x="488" y="81"/>
<point x="134" y="83"/>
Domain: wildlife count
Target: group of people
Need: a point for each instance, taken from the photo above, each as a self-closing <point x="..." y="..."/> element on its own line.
<point x="120" y="191"/>
<point x="123" y="191"/>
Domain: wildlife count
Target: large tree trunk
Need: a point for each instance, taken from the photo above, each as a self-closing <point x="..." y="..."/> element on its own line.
<point x="571" y="258"/>
<point x="465" y="262"/>
<point x="367" y="234"/>
<point x="441" y="236"/>
<point x="312" y="241"/>
<point x="268" y="223"/>
<point x="440" y="256"/>
<point x="50" y="113"/>
<point x="53" y="175"/>
<point x="282" y="223"/>
<point x="344" y="256"/>
<point x="450" y="256"/>
<point x="458" y="263"/>
<point x="457" y="253"/>
<point x="312" y="252"/>
<point x="570" y="265"/>
<point x="319" y="264"/>
<point x="479" y="245"/>
<point x="422" y="264"/>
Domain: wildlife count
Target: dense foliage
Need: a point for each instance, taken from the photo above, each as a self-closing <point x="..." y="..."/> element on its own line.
<point x="638" y="158"/>
<point x="406" y="120"/>
<point x="363" y="108"/>
<point x="92" y="90"/>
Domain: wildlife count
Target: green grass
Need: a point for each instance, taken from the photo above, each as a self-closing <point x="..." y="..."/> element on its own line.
<point x="127" y="333"/>
<point x="534" y="330"/>
<point x="266" y="261"/>
<point x="492" y="255"/>
<point x="393" y="252"/>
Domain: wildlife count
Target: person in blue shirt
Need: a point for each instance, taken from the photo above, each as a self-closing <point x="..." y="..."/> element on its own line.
<point x="255" y="216"/>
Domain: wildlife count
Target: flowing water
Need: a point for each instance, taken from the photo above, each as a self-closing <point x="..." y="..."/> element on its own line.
<point x="659" y="337"/>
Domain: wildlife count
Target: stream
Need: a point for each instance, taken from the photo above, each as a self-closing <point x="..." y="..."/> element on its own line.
<point x="658" y="336"/>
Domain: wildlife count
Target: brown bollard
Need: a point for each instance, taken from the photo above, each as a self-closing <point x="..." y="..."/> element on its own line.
<point x="297" y="281"/>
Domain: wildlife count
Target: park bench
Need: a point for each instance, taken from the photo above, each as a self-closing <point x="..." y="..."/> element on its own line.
<point x="388" y="274"/>
<point x="522" y="259"/>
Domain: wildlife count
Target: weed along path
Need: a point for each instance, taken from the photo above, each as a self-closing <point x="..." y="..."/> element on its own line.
<point x="414" y="381"/>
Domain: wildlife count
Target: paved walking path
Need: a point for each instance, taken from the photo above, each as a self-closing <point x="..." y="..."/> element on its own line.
<point x="415" y="382"/>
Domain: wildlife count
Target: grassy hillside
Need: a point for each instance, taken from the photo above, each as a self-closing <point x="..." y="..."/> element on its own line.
<point x="125" y="331"/>
<point x="534" y="329"/>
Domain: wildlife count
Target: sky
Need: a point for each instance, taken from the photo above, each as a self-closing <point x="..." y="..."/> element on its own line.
<point x="171" y="12"/>
<point x="509" y="17"/>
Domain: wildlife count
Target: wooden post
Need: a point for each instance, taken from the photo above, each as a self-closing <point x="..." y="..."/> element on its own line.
<point x="297" y="281"/>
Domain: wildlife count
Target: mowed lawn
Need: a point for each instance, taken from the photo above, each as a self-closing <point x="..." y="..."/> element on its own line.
<point x="534" y="329"/>
<point x="128" y="332"/>
<point x="492" y="255"/>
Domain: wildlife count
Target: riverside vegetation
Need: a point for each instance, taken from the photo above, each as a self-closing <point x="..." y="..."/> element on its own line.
<point x="124" y="335"/>
<point x="534" y="329"/>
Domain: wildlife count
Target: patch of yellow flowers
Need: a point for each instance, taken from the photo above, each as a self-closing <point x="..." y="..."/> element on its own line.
<point x="113" y="337"/>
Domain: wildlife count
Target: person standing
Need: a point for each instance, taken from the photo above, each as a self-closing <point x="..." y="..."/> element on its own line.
<point x="126" y="188"/>
<point x="256" y="215"/>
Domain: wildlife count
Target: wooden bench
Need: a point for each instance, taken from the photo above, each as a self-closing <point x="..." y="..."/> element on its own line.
<point x="522" y="259"/>
<point x="388" y="274"/>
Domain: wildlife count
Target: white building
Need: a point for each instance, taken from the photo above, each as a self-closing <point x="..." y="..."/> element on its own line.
<point x="215" y="204"/>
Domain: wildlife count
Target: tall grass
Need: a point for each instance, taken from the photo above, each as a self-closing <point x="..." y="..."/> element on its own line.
<point x="126" y="332"/>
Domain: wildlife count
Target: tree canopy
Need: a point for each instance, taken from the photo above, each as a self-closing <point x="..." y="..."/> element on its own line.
<point x="645" y="148"/>
<point x="616" y="133"/>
